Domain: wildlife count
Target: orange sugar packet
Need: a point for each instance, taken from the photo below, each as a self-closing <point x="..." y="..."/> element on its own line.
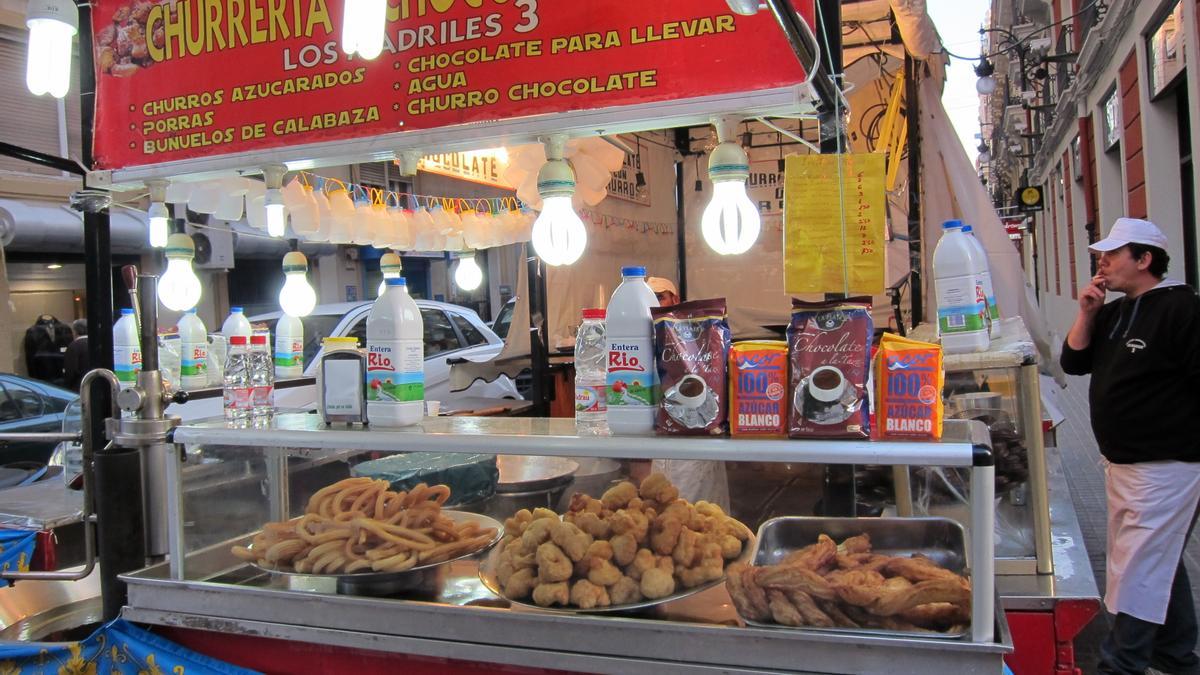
<point x="758" y="404"/>
<point x="908" y="388"/>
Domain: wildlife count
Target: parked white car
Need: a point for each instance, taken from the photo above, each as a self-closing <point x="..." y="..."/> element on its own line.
<point x="451" y="332"/>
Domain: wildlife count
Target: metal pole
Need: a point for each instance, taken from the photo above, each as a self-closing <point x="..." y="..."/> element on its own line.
<point x="118" y="495"/>
<point x="680" y="231"/>
<point x="838" y="494"/>
<point x="913" y="115"/>
<point x="539" y="355"/>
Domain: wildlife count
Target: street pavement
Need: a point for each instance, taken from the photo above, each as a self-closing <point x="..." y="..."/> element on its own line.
<point x="1085" y="477"/>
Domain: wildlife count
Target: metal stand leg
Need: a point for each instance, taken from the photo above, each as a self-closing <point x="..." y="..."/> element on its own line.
<point x="983" y="552"/>
<point x="173" y="483"/>
<point x="1039" y="496"/>
<point x="278" y="489"/>
<point x="902" y="485"/>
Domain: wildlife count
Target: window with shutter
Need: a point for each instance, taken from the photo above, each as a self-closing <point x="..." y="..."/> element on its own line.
<point x="27" y="120"/>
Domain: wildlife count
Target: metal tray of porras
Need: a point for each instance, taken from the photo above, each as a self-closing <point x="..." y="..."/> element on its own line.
<point x="940" y="539"/>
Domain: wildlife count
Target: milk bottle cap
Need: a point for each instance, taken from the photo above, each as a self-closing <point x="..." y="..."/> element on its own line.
<point x="396" y="281"/>
<point x="633" y="271"/>
<point x="952" y="224"/>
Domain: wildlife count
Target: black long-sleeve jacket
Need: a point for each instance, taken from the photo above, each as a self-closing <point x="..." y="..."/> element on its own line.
<point x="1144" y="359"/>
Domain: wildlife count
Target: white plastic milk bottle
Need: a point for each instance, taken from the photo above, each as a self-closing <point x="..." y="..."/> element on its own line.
<point x="632" y="376"/>
<point x="236" y="324"/>
<point x="395" y="359"/>
<point x="193" y="337"/>
<point x="988" y="289"/>
<point x="127" y="350"/>
<point x="961" y="302"/>
<point x="289" y="347"/>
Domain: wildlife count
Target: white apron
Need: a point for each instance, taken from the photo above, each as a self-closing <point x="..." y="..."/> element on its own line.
<point x="1150" y="507"/>
<point x="697" y="480"/>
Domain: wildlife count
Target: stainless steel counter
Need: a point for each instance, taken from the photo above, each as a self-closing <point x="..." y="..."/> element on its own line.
<point x="457" y="617"/>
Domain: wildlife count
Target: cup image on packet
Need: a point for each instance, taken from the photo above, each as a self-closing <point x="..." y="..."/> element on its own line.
<point x="758" y="401"/>
<point x="908" y="388"/>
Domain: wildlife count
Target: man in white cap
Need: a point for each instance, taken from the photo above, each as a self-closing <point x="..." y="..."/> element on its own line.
<point x="1143" y="353"/>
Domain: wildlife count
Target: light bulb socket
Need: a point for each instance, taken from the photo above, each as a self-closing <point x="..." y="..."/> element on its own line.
<point x="273" y="176"/>
<point x="728" y="162"/>
<point x="274" y="197"/>
<point x="63" y="11"/>
<point x="408" y="160"/>
<point x="158" y="189"/>
<point x="556" y="179"/>
<point x="180" y="247"/>
<point x="389" y="263"/>
<point x="294" y="261"/>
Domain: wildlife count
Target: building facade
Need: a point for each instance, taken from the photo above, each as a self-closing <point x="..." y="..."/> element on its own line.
<point x="1096" y="103"/>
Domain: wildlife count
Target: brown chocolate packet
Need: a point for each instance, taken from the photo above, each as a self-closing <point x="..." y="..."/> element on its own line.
<point x="829" y="358"/>
<point x="691" y="348"/>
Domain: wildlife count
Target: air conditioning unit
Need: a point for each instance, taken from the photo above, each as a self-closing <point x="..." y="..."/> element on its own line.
<point x="214" y="244"/>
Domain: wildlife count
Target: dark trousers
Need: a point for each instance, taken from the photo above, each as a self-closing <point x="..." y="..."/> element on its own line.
<point x="1132" y="645"/>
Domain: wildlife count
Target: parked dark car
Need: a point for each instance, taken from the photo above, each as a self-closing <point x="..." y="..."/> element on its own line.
<point x="29" y="406"/>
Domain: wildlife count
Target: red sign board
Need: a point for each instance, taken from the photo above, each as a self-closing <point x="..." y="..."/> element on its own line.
<point x="185" y="79"/>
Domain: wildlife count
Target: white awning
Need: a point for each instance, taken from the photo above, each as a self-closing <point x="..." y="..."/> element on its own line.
<point x="49" y="227"/>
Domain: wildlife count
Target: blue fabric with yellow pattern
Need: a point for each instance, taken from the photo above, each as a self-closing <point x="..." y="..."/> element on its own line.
<point x="16" y="550"/>
<point x="118" y="648"/>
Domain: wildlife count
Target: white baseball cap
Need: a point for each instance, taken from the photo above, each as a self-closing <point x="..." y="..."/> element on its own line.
<point x="1131" y="231"/>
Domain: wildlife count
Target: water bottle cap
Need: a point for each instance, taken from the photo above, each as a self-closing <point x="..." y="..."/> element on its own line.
<point x="967" y="228"/>
<point x="952" y="224"/>
<point x="396" y="281"/>
<point x="594" y="313"/>
<point x="633" y="271"/>
<point x="237" y="340"/>
<point x="258" y="339"/>
<point x="235" y="310"/>
<point x="125" y="311"/>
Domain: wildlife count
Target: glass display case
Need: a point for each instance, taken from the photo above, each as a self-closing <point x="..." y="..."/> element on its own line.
<point x="999" y="387"/>
<point x="234" y="481"/>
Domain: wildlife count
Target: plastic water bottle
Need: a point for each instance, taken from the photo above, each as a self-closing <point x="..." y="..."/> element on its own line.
<point x="591" y="376"/>
<point x="632" y="377"/>
<point x="961" y="302"/>
<point x="236" y="324"/>
<point x="262" y="379"/>
<point x="237" y="392"/>
<point x="193" y="369"/>
<point x="395" y="359"/>
<point x="289" y="347"/>
<point x="127" y="350"/>
<point x="988" y="292"/>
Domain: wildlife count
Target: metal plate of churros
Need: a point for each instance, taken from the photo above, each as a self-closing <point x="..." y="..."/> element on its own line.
<point x="460" y="517"/>
<point x="930" y="551"/>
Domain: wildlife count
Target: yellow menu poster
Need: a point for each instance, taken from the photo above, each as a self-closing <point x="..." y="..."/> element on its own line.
<point x="833" y="239"/>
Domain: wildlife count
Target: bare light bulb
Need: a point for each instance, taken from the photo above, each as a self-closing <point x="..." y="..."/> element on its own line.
<point x="559" y="236"/>
<point x="52" y="26"/>
<point x="179" y="289"/>
<point x="363" y="25"/>
<point x="297" y="297"/>
<point x="273" y="199"/>
<point x="468" y="275"/>
<point x="730" y="223"/>
<point x="158" y="221"/>
<point x="558" y="233"/>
